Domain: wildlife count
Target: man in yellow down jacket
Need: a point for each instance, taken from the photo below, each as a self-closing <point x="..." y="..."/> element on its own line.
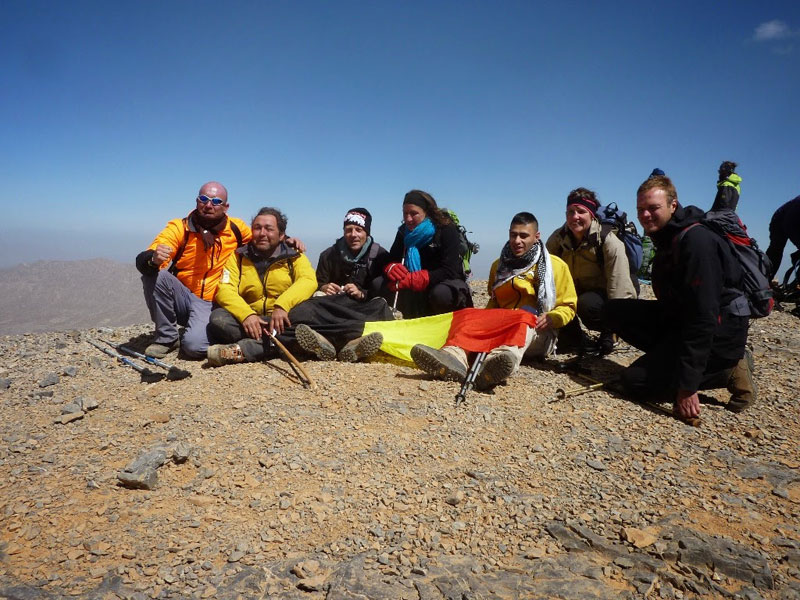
<point x="260" y="284"/>
<point x="195" y="249"/>
<point x="525" y="277"/>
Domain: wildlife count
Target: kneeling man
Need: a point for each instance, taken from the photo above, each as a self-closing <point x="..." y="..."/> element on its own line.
<point x="260" y="284"/>
<point x="525" y="277"/>
<point x="694" y="333"/>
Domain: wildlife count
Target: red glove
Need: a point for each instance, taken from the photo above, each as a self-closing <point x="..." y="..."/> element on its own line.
<point x="395" y="272"/>
<point x="416" y="281"/>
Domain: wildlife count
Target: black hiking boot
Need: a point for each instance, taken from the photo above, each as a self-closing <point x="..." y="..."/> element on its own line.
<point x="314" y="343"/>
<point x="742" y="385"/>
<point x="363" y="347"/>
<point x="438" y="363"/>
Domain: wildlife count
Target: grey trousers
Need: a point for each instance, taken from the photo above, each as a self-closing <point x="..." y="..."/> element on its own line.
<point x="172" y="304"/>
<point x="223" y="328"/>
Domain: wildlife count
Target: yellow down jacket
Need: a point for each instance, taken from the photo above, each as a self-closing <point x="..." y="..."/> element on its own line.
<point x="520" y="291"/>
<point x="256" y="288"/>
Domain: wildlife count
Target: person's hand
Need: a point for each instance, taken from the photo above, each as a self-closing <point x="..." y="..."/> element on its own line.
<point x="416" y="281"/>
<point x="279" y="321"/>
<point x="774" y="284"/>
<point x="160" y="254"/>
<point x="543" y="322"/>
<point x="395" y="272"/>
<point x="254" y="326"/>
<point x="296" y="243"/>
<point x="331" y="289"/>
<point x="687" y="404"/>
<point x="352" y="290"/>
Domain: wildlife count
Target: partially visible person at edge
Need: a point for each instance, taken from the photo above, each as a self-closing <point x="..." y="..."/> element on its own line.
<point x="198" y="246"/>
<point x="426" y="265"/>
<point x="784" y="226"/>
<point x="525" y="277"/>
<point x="352" y="266"/>
<point x="598" y="265"/>
<point x="694" y="333"/>
<point x="728" y="187"/>
<point x="260" y="284"/>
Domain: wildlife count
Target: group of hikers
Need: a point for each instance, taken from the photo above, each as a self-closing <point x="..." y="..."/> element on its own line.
<point x="235" y="288"/>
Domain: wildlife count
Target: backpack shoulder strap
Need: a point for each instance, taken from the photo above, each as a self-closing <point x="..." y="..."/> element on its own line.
<point x="237" y="232"/>
<point x="174" y="266"/>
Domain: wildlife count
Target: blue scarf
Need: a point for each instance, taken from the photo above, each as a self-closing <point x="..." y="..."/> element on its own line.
<point x="415" y="239"/>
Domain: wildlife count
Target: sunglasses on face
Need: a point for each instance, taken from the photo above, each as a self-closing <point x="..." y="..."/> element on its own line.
<point x="214" y="201"/>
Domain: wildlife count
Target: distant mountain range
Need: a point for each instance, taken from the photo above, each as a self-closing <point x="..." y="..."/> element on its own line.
<point x="62" y="295"/>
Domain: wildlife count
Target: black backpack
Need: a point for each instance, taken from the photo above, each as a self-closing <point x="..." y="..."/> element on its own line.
<point x="755" y="265"/>
<point x="467" y="248"/>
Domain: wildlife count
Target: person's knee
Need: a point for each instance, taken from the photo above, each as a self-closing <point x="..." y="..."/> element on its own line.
<point x="194" y="343"/>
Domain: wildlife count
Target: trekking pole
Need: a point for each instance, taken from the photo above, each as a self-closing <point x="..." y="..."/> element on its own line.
<point x="305" y="379"/>
<point x="469" y="380"/>
<point x="148" y="376"/>
<point x="173" y="372"/>
<point x="396" y="313"/>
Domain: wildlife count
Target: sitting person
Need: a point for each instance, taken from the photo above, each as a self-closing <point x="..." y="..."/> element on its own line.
<point x="525" y="277"/>
<point x="597" y="262"/>
<point x="197" y="247"/>
<point x="694" y="333"/>
<point x="260" y="284"/>
<point x="352" y="266"/>
<point x="426" y="273"/>
<point x="784" y="226"/>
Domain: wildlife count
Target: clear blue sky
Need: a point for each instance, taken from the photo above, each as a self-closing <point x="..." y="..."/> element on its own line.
<point x="114" y="113"/>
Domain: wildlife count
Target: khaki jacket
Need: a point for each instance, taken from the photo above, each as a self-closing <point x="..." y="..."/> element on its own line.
<point x="611" y="276"/>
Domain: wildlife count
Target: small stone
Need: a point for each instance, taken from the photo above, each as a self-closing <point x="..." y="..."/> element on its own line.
<point x="535" y="552"/>
<point x="383" y="558"/>
<point x="87" y="404"/>
<point x="312" y="584"/>
<point x="625" y="563"/>
<point x="142" y="479"/>
<point x="4" y="383"/>
<point x="70" y="371"/>
<point x="455" y="499"/>
<point x="596" y="464"/>
<point x="71" y="408"/>
<point x="68" y="418"/>
<point x="181" y="453"/>
<point x="235" y="556"/>
<point x="638" y="537"/>
<point x="48" y="380"/>
<point x="202" y="501"/>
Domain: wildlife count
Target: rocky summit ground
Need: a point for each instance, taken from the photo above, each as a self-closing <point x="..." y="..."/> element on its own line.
<point x="239" y="483"/>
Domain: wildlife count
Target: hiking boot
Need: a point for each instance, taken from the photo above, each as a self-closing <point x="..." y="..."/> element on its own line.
<point x="741" y="384"/>
<point x="161" y="350"/>
<point x="224" y="354"/>
<point x="438" y="363"/>
<point x="363" y="347"/>
<point x="496" y="369"/>
<point x="314" y="343"/>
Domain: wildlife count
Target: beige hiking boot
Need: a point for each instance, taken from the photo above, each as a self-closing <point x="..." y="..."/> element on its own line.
<point x="742" y="385"/>
<point x="438" y="363"/>
<point x="314" y="343"/>
<point x="224" y="354"/>
<point x="363" y="347"/>
<point x="495" y="370"/>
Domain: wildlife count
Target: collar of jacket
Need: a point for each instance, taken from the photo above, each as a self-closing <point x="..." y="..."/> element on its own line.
<point x="681" y="218"/>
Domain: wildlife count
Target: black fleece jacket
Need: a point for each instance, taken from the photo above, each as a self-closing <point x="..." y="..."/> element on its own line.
<point x="695" y="279"/>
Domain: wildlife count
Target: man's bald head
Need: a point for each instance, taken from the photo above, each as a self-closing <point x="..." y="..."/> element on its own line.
<point x="214" y="189"/>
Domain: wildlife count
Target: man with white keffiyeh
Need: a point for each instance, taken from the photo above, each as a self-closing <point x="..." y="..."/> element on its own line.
<point x="526" y="277"/>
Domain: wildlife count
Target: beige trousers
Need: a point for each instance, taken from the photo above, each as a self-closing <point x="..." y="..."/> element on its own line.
<point x="538" y="344"/>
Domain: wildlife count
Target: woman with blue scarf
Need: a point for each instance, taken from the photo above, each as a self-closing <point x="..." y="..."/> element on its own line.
<point x="426" y="266"/>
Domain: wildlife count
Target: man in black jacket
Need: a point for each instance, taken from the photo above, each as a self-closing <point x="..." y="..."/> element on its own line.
<point x="784" y="226"/>
<point x="354" y="261"/>
<point x="694" y="334"/>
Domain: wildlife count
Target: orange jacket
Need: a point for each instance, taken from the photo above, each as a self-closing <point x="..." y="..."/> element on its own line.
<point x="197" y="268"/>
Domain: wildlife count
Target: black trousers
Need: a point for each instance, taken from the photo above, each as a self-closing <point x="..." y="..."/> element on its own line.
<point x="445" y="296"/>
<point x="643" y="324"/>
